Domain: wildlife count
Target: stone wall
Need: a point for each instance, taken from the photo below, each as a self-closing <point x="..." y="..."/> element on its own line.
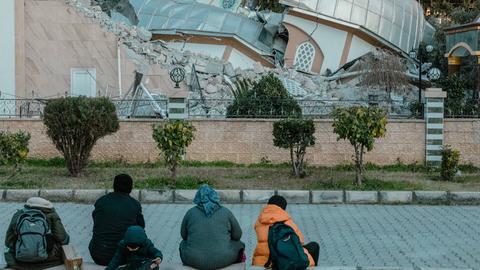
<point x="245" y="141"/>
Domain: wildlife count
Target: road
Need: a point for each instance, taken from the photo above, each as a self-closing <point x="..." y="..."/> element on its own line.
<point x="349" y="235"/>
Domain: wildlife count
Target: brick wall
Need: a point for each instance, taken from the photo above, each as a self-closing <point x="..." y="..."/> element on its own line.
<point x="247" y="141"/>
<point x="464" y="135"/>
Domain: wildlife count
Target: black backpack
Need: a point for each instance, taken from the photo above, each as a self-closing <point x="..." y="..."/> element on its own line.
<point x="286" y="251"/>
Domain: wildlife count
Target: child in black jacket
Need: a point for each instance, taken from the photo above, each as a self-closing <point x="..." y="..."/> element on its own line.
<point x="135" y="252"/>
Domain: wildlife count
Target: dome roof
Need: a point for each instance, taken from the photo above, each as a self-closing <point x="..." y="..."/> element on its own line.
<point x="400" y="22"/>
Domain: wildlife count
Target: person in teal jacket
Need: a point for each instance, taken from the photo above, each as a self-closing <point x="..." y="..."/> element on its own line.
<point x="135" y="252"/>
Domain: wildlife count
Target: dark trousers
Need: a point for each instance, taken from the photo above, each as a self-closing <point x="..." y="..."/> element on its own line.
<point x="314" y="249"/>
<point x="145" y="266"/>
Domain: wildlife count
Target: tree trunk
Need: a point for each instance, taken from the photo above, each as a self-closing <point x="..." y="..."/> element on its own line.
<point x="173" y="171"/>
<point x="358" y="166"/>
<point x="292" y="159"/>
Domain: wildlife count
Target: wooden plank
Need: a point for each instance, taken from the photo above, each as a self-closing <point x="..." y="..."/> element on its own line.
<point x="71" y="259"/>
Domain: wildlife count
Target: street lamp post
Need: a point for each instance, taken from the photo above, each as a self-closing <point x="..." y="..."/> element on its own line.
<point x="433" y="73"/>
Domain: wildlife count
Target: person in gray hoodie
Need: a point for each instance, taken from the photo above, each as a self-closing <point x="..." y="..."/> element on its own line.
<point x="211" y="234"/>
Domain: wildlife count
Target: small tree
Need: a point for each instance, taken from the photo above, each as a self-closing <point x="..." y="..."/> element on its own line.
<point x="13" y="149"/>
<point x="172" y="139"/>
<point x="75" y="124"/>
<point x="296" y="135"/>
<point x="268" y="98"/>
<point x="360" y="126"/>
<point x="450" y="160"/>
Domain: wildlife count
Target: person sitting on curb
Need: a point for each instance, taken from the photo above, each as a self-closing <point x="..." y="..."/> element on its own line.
<point x="136" y="252"/>
<point x="211" y="234"/>
<point x="273" y="213"/>
<point x="112" y="216"/>
<point x="35" y="237"/>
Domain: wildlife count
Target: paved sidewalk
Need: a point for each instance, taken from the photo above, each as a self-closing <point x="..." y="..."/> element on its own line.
<point x="350" y="235"/>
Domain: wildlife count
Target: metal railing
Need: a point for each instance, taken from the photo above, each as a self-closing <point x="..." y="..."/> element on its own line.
<point x="206" y="108"/>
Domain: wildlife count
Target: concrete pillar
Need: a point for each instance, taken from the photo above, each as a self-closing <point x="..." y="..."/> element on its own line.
<point x="434" y="114"/>
<point x="7" y="56"/>
<point x="453" y="64"/>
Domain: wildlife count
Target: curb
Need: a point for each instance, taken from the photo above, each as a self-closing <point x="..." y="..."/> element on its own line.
<point x="255" y="196"/>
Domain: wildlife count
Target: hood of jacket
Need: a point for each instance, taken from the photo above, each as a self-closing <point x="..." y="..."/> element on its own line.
<point x="135" y="235"/>
<point x="272" y="214"/>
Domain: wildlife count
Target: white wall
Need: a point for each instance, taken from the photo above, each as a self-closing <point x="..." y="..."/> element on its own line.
<point x="205" y="49"/>
<point x="330" y="40"/>
<point x="358" y="48"/>
<point x="7" y="50"/>
<point x="240" y="60"/>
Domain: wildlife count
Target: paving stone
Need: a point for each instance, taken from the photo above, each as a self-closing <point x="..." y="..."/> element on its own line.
<point x="361" y="196"/>
<point x="431" y="197"/>
<point x="465" y="197"/>
<point x="57" y="195"/>
<point x="20" y="195"/>
<point x="184" y="196"/>
<point x="157" y="196"/>
<point x="396" y="197"/>
<point x="435" y="236"/>
<point x="88" y="195"/>
<point x="229" y="196"/>
<point x="257" y="196"/>
<point x="295" y="196"/>
<point x="327" y="196"/>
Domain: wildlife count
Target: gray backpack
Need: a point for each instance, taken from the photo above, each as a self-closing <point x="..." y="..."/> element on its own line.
<point x="32" y="229"/>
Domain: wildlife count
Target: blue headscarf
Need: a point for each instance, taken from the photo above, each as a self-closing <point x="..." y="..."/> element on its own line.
<point x="207" y="199"/>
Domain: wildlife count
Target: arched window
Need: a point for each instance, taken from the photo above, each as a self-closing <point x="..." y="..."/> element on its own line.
<point x="304" y="57"/>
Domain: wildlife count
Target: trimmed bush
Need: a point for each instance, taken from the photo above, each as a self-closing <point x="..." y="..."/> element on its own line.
<point x="75" y="124"/>
<point x="360" y="126"/>
<point x="172" y="139"/>
<point x="450" y="160"/>
<point x="295" y="135"/>
<point x="268" y="98"/>
<point x="13" y="148"/>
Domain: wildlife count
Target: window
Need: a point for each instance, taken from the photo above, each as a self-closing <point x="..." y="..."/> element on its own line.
<point x="304" y="57"/>
<point x="83" y="82"/>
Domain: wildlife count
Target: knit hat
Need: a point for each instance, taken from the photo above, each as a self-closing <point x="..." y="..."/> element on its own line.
<point x="37" y="202"/>
<point x="123" y="183"/>
<point x="278" y="201"/>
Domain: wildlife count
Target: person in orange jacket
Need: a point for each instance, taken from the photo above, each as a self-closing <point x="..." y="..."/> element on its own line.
<point x="272" y="213"/>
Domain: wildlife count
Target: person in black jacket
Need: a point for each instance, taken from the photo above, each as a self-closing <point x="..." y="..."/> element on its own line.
<point x="136" y="252"/>
<point x="114" y="213"/>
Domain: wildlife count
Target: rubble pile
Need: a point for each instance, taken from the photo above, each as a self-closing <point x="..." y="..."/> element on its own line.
<point x="317" y="94"/>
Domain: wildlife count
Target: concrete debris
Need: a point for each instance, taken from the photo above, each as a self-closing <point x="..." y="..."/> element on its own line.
<point x="324" y="93"/>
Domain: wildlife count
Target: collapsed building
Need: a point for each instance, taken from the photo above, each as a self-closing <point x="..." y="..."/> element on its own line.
<point x="313" y="47"/>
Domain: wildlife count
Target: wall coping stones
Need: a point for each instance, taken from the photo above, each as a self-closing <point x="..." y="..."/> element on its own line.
<point x="230" y="195"/>
<point x="253" y="196"/>
<point x="57" y="195"/>
<point x="156" y="196"/>
<point x="88" y="195"/>
<point x="295" y="196"/>
<point x="361" y="197"/>
<point x="20" y="195"/>
<point x="431" y="197"/>
<point x="465" y="197"/>
<point x="328" y="196"/>
<point x="184" y="195"/>
<point x="257" y="196"/>
<point x="396" y="197"/>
